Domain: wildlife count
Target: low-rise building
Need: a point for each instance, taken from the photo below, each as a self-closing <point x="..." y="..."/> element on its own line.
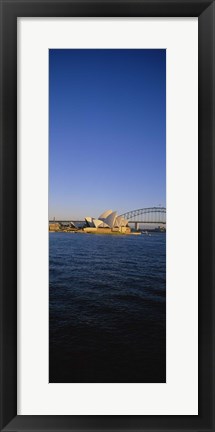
<point x="54" y="226"/>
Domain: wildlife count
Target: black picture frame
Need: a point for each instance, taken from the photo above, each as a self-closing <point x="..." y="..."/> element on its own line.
<point x="10" y="10"/>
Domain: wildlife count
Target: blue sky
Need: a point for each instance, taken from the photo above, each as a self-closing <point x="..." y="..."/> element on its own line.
<point x="107" y="131"/>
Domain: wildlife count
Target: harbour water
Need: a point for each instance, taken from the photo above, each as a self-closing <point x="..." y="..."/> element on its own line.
<point x="107" y="308"/>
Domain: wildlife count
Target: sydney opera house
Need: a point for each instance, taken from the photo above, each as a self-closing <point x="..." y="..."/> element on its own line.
<point x="107" y="222"/>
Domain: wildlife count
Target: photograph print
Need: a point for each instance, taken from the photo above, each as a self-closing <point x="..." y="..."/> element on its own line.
<point x="107" y="216"/>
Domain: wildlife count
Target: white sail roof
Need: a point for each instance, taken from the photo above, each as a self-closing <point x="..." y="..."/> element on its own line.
<point x="105" y="214"/>
<point x="89" y="221"/>
<point x="120" y="221"/>
<point x="73" y="225"/>
<point x="110" y="220"/>
<point x="97" y="222"/>
<point x="117" y="221"/>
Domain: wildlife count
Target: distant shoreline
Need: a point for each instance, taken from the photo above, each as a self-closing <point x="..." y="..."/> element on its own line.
<point x="148" y="232"/>
<point x="96" y="233"/>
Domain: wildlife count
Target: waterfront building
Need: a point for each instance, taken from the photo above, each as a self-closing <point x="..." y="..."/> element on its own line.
<point x="54" y="226"/>
<point x="106" y="222"/>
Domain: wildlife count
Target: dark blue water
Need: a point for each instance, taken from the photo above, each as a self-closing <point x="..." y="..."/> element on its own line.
<point x="107" y="302"/>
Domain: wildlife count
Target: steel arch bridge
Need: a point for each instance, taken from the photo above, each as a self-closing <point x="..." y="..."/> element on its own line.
<point x="150" y="215"/>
